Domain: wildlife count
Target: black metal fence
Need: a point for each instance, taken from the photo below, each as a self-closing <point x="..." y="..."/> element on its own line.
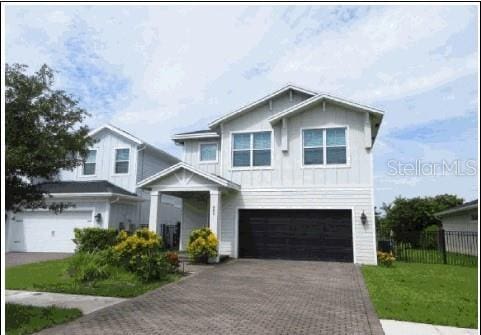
<point x="435" y="247"/>
<point x="170" y="235"/>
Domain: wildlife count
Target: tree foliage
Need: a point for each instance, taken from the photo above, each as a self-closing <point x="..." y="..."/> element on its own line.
<point x="416" y="214"/>
<point x="43" y="133"/>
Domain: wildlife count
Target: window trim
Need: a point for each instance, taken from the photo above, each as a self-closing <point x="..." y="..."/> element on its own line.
<point x="216" y="153"/>
<point x="115" y="161"/>
<point x="82" y="166"/>
<point x="251" y="150"/>
<point x="324" y="147"/>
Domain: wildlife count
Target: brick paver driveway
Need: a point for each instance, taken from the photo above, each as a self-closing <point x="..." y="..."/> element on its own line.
<point x="245" y="297"/>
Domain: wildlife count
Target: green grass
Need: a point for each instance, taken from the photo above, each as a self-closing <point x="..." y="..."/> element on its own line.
<point x="21" y="320"/>
<point x="427" y="293"/>
<point x="435" y="257"/>
<point x="50" y="276"/>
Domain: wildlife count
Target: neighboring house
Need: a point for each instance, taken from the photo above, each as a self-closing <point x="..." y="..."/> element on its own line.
<point x="288" y="176"/>
<point x="103" y="191"/>
<point x="461" y="228"/>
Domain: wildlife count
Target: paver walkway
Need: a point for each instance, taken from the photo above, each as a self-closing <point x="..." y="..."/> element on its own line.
<point x="86" y="303"/>
<point x="244" y="297"/>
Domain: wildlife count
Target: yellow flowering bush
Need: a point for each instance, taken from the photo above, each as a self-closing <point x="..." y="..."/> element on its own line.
<point x="141" y="253"/>
<point x="385" y="258"/>
<point x="202" y="245"/>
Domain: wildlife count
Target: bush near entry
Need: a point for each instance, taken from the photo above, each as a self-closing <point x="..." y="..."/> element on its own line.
<point x="202" y="245"/>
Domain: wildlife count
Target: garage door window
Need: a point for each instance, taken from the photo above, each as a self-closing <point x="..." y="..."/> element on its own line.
<point x="89" y="164"/>
<point x="324" y="146"/>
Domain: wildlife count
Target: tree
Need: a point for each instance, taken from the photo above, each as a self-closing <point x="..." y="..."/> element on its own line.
<point x="407" y="216"/>
<point x="43" y="134"/>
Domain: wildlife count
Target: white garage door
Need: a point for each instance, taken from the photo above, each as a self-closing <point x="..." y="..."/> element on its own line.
<point x="44" y="231"/>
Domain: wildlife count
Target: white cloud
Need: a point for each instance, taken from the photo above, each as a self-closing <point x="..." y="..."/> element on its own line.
<point x="185" y="65"/>
<point x="387" y="54"/>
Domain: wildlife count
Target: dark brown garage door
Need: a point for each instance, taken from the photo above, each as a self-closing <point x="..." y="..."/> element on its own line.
<point x="296" y="234"/>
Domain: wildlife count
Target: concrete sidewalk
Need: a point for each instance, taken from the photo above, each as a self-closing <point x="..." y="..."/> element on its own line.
<point x="86" y="303"/>
<point x="392" y="327"/>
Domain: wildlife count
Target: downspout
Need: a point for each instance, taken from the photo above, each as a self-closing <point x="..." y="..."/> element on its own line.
<point x="141" y="163"/>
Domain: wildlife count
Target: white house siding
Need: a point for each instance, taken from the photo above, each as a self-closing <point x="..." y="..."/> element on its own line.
<point x="286" y="167"/>
<point x="195" y="215"/>
<point x="106" y="144"/>
<point x="356" y="198"/>
<point x="461" y="222"/>
<point x="465" y="241"/>
<point x="192" y="156"/>
<point x="149" y="163"/>
<point x="124" y="212"/>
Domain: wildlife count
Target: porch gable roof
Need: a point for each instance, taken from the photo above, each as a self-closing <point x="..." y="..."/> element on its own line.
<point x="182" y="165"/>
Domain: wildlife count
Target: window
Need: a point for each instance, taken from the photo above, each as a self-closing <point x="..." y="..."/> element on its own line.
<point x="251" y="149"/>
<point x="313" y="147"/>
<point x="122" y="160"/>
<point x="336" y="146"/>
<point x="89" y="163"/>
<point x="324" y="146"/>
<point x="208" y="152"/>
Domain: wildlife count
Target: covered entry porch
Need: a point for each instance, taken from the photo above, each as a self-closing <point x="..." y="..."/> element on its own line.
<point x="201" y="195"/>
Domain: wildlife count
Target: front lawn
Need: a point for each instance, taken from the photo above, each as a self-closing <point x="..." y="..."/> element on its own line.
<point x="21" y="320"/>
<point x="427" y="293"/>
<point x="50" y="276"/>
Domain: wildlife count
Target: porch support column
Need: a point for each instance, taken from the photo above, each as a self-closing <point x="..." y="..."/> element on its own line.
<point x="155" y="198"/>
<point x="215" y="213"/>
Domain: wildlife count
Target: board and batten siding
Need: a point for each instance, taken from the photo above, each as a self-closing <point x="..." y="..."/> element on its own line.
<point x="287" y="166"/>
<point x="192" y="156"/>
<point x="150" y="163"/>
<point x="357" y="199"/>
<point x="106" y="144"/>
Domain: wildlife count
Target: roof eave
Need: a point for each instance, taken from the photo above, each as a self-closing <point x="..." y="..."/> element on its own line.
<point x="95" y="195"/>
<point x="182" y="138"/>
<point x="117" y="131"/>
<point x="456" y="210"/>
<point x="245" y="108"/>
<point x="222" y="182"/>
<point x="306" y="103"/>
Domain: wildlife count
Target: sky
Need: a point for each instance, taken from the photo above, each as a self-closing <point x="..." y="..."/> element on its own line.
<point x="157" y="70"/>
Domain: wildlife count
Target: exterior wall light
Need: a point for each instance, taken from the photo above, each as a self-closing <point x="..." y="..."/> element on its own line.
<point x="363" y="218"/>
<point x="98" y="217"/>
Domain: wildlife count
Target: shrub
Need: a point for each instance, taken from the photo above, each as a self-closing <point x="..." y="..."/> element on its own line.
<point x="173" y="259"/>
<point x="385" y="258"/>
<point x="88" y="267"/>
<point x="141" y="254"/>
<point x="142" y="242"/>
<point x="151" y="266"/>
<point x="202" y="245"/>
<point x="94" y="239"/>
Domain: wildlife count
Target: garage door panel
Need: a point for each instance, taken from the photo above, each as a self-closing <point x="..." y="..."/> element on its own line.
<point x="296" y="234"/>
<point x="44" y="231"/>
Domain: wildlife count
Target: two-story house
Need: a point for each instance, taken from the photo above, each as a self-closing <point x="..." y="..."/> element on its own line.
<point x="102" y="193"/>
<point x="288" y="176"/>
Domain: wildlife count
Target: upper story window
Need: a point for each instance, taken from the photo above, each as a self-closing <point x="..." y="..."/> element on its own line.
<point x="122" y="160"/>
<point x="208" y="152"/>
<point x="251" y="149"/>
<point x="89" y="163"/>
<point x="324" y="146"/>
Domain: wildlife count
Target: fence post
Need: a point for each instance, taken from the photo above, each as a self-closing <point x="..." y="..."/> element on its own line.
<point x="442" y="244"/>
